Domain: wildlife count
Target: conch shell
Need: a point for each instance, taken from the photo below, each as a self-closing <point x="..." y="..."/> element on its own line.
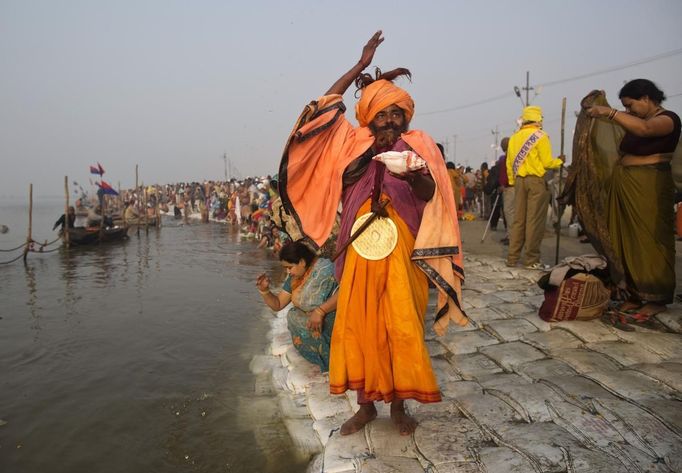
<point x="400" y="162"/>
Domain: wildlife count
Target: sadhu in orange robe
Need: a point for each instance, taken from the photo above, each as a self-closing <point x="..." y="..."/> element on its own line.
<point x="378" y="339"/>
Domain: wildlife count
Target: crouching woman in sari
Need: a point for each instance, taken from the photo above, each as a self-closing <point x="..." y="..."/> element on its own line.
<point x="312" y="289"/>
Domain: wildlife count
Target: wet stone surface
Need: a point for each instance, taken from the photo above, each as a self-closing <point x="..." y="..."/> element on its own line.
<point x="519" y="394"/>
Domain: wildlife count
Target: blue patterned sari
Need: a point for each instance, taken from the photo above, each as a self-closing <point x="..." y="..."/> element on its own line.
<point x="318" y="285"/>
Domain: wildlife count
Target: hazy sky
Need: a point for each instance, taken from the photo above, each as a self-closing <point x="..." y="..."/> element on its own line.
<point x="172" y="85"/>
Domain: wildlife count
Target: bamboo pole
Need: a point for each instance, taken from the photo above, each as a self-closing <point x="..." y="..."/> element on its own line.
<point x="29" y="238"/>
<point x="144" y="204"/>
<point x="561" y="172"/>
<point x="137" y="203"/>
<point x="66" y="234"/>
<point x="158" y="207"/>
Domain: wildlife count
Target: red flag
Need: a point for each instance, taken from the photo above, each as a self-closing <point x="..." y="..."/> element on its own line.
<point x="106" y="188"/>
<point x="94" y="170"/>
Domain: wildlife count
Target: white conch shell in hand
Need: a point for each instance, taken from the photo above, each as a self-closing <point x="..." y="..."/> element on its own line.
<point x="400" y="162"/>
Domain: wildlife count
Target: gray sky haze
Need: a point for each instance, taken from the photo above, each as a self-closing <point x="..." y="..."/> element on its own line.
<point x="172" y="85"/>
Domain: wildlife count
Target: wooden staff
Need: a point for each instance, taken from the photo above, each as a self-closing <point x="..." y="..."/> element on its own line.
<point x="66" y="212"/>
<point x="137" y="204"/>
<point x="144" y="204"/>
<point x="157" y="211"/>
<point x="29" y="238"/>
<point x="359" y="231"/>
<point x="561" y="173"/>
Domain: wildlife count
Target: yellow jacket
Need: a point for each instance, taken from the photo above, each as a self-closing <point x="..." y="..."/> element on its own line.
<point x="539" y="158"/>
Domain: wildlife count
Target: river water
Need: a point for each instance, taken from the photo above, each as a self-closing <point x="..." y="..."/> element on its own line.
<point x="134" y="357"/>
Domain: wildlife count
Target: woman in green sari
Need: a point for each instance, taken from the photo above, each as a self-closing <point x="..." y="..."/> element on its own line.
<point x="312" y="289"/>
<point x="640" y="198"/>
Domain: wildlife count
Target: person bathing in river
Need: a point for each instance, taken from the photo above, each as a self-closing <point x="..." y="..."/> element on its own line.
<point x="311" y="287"/>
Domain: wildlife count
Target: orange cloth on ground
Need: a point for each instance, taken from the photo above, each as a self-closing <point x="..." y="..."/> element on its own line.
<point x="322" y="144"/>
<point x="378" y="338"/>
<point x="379" y="95"/>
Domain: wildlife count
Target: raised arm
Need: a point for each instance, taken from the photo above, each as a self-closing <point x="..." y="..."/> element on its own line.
<point x="656" y="126"/>
<point x="341" y="85"/>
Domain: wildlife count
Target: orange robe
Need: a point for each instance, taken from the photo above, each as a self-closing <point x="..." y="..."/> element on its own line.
<point x="378" y="339"/>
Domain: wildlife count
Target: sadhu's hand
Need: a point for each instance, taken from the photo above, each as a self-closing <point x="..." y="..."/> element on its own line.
<point x="370" y="48"/>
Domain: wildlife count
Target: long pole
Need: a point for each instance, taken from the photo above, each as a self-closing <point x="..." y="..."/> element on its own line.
<point x="561" y="172"/>
<point x="137" y="202"/>
<point x="66" y="212"/>
<point x="29" y="238"/>
<point x="527" y="86"/>
<point x="225" y="161"/>
<point x="144" y="204"/>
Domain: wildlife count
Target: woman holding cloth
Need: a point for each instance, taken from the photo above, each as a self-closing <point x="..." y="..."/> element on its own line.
<point x="641" y="194"/>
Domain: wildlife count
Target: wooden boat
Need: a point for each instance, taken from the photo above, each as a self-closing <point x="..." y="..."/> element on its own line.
<point x="93" y="235"/>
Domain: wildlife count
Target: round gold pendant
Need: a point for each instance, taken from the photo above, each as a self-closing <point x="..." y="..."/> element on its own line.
<point x="378" y="240"/>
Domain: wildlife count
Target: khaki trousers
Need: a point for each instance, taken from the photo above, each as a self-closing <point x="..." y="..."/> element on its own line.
<point x="508" y="206"/>
<point x="531" y="198"/>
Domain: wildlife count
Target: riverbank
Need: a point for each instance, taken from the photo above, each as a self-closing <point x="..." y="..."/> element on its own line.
<point x="519" y="394"/>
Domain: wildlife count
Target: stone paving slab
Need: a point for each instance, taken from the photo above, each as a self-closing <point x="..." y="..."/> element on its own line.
<point x="535" y="370"/>
<point x="625" y="353"/>
<point x="583" y="460"/>
<point x="672" y="320"/>
<point x="632" y="385"/>
<point x="585" y="361"/>
<point x="303" y="436"/>
<point x="504" y="459"/>
<point x="667" y="373"/>
<point x="293" y="406"/>
<point x="509" y="355"/>
<point x="529" y="400"/>
<point x="540" y="442"/>
<point x="341" y="451"/>
<point x="389" y="465"/>
<point x="382" y="439"/>
<point x="487" y="411"/>
<point x="533" y="318"/>
<point x="322" y="404"/>
<point x="509" y="330"/>
<point x="436" y="348"/>
<point x="668" y="412"/>
<point x="510" y="296"/>
<point x="577" y="390"/>
<point x="553" y="340"/>
<point x="448" y="440"/>
<point x="667" y="345"/>
<point x="445" y="372"/>
<point x="458" y="389"/>
<point x="515" y="309"/>
<point x="589" y="331"/>
<point x="502" y="380"/>
<point x="456" y="467"/>
<point x="467" y="342"/>
<point x="476" y="300"/>
<point x="485" y="314"/>
<point x="474" y="365"/>
<point x="643" y="431"/>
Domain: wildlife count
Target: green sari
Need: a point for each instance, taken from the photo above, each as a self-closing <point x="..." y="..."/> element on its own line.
<point x="626" y="212"/>
<point x="318" y="285"/>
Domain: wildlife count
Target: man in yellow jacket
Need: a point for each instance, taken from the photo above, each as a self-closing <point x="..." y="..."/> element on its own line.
<point x="529" y="156"/>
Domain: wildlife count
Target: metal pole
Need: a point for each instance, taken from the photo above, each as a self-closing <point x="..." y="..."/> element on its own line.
<point x="490" y="218"/>
<point x="137" y="202"/>
<point x="225" y="161"/>
<point x="561" y="172"/>
<point x="29" y="238"/>
<point x="66" y="212"/>
<point x="527" y="86"/>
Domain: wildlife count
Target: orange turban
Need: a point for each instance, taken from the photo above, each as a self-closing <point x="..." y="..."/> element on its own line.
<point x="377" y="96"/>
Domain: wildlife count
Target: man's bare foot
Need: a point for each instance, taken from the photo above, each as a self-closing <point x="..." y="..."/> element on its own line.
<point x="367" y="413"/>
<point x="406" y="424"/>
